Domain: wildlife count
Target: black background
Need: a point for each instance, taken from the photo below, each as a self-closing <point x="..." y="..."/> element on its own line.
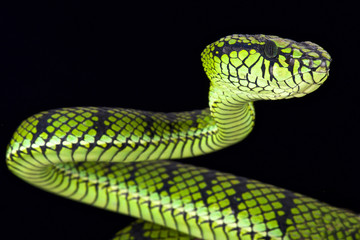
<point x="61" y="54"/>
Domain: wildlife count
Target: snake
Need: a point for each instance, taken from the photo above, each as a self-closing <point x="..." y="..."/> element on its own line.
<point x="120" y="159"/>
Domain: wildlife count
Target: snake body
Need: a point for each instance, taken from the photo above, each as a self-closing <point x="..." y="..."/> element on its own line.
<point x="105" y="156"/>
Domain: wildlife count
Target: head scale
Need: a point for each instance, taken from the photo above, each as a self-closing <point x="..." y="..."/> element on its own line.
<point x="266" y="67"/>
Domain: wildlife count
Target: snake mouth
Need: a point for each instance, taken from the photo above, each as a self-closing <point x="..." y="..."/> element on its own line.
<point x="308" y="85"/>
<point x="305" y="82"/>
<point x="297" y="86"/>
<point x="306" y="90"/>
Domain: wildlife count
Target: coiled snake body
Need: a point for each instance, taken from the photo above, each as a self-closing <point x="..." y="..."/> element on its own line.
<point x="101" y="156"/>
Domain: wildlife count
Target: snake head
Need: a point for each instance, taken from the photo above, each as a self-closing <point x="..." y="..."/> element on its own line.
<point x="265" y="66"/>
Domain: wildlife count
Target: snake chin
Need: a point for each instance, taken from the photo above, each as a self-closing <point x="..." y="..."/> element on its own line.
<point x="307" y="86"/>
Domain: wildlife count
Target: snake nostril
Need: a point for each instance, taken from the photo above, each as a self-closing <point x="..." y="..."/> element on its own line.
<point x="311" y="63"/>
<point x="290" y="61"/>
<point x="323" y="63"/>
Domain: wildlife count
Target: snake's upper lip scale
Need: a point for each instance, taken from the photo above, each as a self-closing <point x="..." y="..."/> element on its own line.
<point x="312" y="86"/>
<point x="295" y="91"/>
<point x="325" y="72"/>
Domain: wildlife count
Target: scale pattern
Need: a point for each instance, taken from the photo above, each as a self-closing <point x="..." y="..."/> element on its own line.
<point x="201" y="202"/>
<point x="111" y="133"/>
<point x="104" y="157"/>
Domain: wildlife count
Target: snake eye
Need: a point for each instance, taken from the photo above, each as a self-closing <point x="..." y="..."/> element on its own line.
<point x="270" y="49"/>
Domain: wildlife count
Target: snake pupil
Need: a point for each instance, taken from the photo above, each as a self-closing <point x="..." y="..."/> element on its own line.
<point x="270" y="49"/>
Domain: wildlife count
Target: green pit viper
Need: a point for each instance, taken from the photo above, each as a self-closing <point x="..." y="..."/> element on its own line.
<point x="108" y="157"/>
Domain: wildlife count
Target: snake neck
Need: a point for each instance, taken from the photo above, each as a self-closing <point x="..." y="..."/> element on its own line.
<point x="233" y="115"/>
<point x="117" y="134"/>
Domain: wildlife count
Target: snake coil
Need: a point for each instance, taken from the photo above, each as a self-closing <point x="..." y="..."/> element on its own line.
<point x="105" y="157"/>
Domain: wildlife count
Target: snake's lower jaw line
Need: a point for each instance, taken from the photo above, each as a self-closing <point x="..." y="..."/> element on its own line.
<point x="306" y="90"/>
<point x="302" y="90"/>
<point x="312" y="88"/>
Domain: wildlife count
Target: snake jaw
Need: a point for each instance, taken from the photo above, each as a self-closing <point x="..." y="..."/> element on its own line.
<point x="276" y="90"/>
<point x="305" y="87"/>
